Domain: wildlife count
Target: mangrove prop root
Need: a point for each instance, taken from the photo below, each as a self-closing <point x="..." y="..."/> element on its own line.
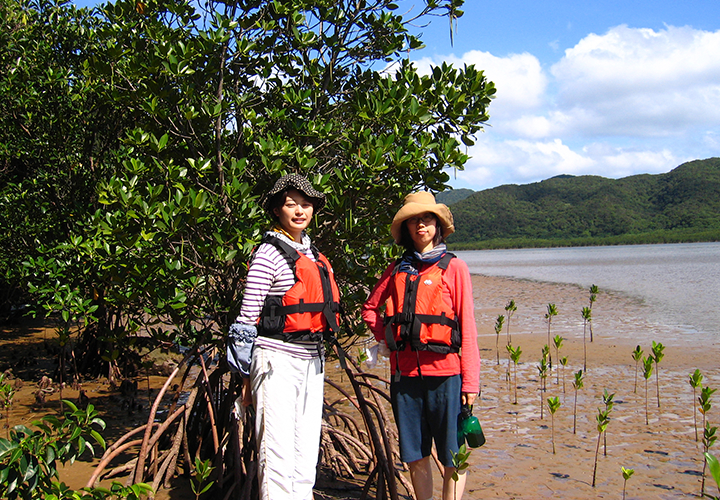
<point x="358" y="434"/>
<point x="105" y="461"/>
<point x="140" y="467"/>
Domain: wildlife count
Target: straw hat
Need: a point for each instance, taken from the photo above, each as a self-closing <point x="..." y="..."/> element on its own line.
<point x="295" y="181"/>
<point x="418" y="204"/>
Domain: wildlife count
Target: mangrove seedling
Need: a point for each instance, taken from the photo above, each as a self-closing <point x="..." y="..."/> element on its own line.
<point x="603" y="420"/>
<point x="709" y="438"/>
<point x="658" y="355"/>
<point x="704" y="403"/>
<point x="553" y="405"/>
<point x="498" y="328"/>
<point x="199" y="483"/>
<point x="557" y="342"/>
<point x="587" y="318"/>
<point x="609" y="403"/>
<point x="515" y="357"/>
<point x="627" y="474"/>
<point x="460" y="463"/>
<point x="551" y="311"/>
<point x="608" y="400"/>
<point x="647" y="372"/>
<point x="545" y="351"/>
<point x="695" y="382"/>
<point x="546" y="357"/>
<point x="510" y="309"/>
<point x="637" y="356"/>
<point x="563" y="362"/>
<point x="593" y="298"/>
<point x="543" y="373"/>
<point x="578" y="384"/>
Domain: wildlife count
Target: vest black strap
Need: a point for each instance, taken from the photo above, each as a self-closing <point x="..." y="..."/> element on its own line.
<point x="445" y="261"/>
<point x="329" y="307"/>
<point x="289" y="253"/>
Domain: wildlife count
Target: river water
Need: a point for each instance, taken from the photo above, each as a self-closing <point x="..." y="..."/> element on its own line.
<point x="679" y="282"/>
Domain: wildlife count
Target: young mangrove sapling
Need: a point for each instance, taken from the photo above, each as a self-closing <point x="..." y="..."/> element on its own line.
<point x="553" y="405"/>
<point x="627" y="474"/>
<point x="637" y="356"/>
<point x="695" y="382"/>
<point x="498" y="328"/>
<point x="647" y="372"/>
<point x="709" y="438"/>
<point x="658" y="355"/>
<point x="578" y="384"/>
<point x="602" y="422"/>
<point x="587" y="318"/>
<point x="557" y="341"/>
<point x="593" y="298"/>
<point x="543" y="373"/>
<point x="510" y="309"/>
<point x="515" y="357"/>
<point x="551" y="311"/>
<point x="609" y="403"/>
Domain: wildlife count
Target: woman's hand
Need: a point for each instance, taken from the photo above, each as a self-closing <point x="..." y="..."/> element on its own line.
<point x="468" y="398"/>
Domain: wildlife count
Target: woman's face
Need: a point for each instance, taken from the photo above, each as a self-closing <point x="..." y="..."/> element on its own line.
<point x="295" y="214"/>
<point x="423" y="229"/>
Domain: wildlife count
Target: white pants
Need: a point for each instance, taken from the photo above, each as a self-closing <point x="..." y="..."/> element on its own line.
<point x="288" y="398"/>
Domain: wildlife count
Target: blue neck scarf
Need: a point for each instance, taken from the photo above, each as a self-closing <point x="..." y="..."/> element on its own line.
<point x="411" y="261"/>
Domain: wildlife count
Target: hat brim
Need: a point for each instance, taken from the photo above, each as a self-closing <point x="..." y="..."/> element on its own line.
<point x="413" y="209"/>
<point x="294" y="181"/>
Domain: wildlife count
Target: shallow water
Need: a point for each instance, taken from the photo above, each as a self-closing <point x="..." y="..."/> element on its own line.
<point x="677" y="281"/>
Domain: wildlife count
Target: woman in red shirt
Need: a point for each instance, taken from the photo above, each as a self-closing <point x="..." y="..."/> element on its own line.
<point x="422" y="309"/>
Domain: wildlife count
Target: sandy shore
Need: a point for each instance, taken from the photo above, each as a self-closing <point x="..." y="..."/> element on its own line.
<point x="518" y="460"/>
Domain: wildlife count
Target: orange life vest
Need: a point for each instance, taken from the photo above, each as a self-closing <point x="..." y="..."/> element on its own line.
<point x="310" y="309"/>
<point x="416" y="314"/>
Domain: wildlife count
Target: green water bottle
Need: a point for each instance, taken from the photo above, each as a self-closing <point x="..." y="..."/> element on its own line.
<point x="469" y="428"/>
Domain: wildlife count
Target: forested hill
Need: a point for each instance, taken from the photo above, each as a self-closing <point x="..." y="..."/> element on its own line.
<point x="681" y="205"/>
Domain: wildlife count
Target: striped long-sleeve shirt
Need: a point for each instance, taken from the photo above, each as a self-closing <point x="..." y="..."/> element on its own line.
<point x="269" y="274"/>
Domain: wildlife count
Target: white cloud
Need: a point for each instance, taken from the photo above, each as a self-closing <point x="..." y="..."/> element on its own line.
<point x="640" y="81"/>
<point x="519" y="161"/>
<point x="629" y="101"/>
<point x="519" y="78"/>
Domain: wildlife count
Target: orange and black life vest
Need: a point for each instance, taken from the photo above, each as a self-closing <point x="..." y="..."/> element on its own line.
<point x="416" y="314"/>
<point x="310" y="309"/>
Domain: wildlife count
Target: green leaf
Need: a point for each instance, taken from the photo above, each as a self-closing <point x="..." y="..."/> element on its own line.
<point x="714" y="467"/>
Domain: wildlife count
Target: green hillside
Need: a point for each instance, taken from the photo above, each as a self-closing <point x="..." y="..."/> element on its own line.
<point x="681" y="205"/>
<point x="453" y="195"/>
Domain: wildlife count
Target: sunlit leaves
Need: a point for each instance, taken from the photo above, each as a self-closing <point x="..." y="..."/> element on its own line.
<point x="220" y="99"/>
<point x="29" y="457"/>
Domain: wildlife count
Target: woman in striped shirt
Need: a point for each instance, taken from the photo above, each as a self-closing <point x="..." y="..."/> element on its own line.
<point x="290" y="303"/>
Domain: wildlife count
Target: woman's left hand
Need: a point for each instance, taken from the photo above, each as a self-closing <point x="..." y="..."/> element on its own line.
<point x="468" y="398"/>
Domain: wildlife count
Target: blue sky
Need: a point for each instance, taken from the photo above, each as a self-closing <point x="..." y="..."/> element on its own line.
<point x="586" y="88"/>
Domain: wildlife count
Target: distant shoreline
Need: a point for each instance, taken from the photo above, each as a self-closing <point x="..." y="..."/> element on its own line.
<point x="651" y="238"/>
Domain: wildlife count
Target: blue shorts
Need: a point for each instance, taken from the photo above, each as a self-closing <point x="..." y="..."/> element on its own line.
<point x="426" y="409"/>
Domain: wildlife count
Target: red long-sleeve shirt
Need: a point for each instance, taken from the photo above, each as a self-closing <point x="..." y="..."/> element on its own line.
<point x="457" y="292"/>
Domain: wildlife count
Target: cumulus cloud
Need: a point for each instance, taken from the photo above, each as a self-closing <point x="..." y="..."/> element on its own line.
<point x="520" y="161"/>
<point x="639" y="81"/>
<point x="631" y="100"/>
<point x="519" y="78"/>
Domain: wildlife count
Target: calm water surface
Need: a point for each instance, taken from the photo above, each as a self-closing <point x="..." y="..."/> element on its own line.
<point x="679" y="281"/>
